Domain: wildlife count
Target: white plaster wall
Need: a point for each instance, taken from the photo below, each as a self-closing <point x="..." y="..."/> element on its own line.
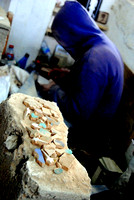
<point x="5" y="4"/>
<point x="13" y="6"/>
<point x="121" y="29"/>
<point x="30" y="22"/>
<point x="106" y="5"/>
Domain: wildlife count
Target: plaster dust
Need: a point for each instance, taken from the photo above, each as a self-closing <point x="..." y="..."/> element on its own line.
<point x="41" y="182"/>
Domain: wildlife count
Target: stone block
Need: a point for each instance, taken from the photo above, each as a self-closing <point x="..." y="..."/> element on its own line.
<point x="29" y="171"/>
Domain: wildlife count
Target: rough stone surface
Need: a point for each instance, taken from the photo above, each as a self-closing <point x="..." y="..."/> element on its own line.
<point x="21" y="177"/>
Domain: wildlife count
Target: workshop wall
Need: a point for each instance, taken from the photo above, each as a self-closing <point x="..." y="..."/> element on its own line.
<point x="121" y="29"/>
<point x="29" y="25"/>
<point x="120" y="26"/>
<point x="5" y="4"/>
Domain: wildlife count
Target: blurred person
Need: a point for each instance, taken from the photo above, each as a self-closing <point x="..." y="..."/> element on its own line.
<point x="89" y="95"/>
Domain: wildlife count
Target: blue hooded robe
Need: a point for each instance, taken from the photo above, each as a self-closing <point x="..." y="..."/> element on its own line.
<point x="94" y="86"/>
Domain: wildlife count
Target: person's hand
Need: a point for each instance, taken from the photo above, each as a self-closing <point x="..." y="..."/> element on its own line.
<point x="58" y="73"/>
<point x="64" y="69"/>
<point x="46" y="87"/>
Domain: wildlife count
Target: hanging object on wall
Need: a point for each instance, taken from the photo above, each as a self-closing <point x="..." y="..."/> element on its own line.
<point x="102" y="17"/>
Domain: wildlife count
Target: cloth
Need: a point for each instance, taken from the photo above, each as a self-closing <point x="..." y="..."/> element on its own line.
<point x="94" y="87"/>
<point x="29" y="86"/>
<point x="4" y="87"/>
<point x="17" y="75"/>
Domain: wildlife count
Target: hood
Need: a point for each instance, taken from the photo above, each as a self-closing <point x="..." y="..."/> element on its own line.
<point x="75" y="30"/>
